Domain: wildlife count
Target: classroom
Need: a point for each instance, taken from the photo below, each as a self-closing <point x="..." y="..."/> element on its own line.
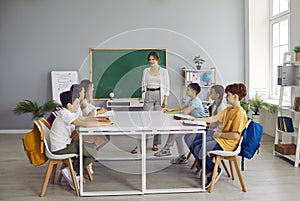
<point x="241" y="41"/>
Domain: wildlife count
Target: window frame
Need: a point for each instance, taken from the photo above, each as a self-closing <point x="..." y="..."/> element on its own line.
<point x="273" y="20"/>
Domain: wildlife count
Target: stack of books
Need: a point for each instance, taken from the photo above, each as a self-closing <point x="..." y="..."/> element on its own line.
<point x="285" y="124"/>
<point x="297" y="104"/>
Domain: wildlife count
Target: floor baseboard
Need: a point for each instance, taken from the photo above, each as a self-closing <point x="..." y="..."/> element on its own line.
<point x="14" y="131"/>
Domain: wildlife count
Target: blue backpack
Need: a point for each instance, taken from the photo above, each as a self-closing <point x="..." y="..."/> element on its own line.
<point x="251" y="140"/>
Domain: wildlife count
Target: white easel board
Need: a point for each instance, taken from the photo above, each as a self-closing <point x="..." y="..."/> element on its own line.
<point x="62" y="81"/>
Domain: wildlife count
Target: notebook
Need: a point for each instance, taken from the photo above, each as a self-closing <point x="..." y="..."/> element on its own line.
<point x="194" y="123"/>
<point x="182" y="117"/>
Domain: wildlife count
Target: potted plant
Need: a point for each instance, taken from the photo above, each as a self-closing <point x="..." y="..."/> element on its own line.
<point x="28" y="106"/>
<point x="198" y="61"/>
<point x="255" y="104"/>
<point x="297" y="51"/>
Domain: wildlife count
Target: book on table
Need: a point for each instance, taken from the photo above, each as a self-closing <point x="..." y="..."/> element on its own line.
<point x="182" y="117"/>
<point x="195" y="123"/>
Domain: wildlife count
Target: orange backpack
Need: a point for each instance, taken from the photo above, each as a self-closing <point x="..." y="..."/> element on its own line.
<point x="33" y="143"/>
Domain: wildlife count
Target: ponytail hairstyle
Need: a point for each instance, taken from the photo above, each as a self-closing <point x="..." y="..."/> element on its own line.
<point x="219" y="89"/>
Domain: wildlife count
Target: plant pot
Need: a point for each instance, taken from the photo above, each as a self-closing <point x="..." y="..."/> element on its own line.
<point x="256" y="118"/>
<point x="198" y="67"/>
<point x="298" y="56"/>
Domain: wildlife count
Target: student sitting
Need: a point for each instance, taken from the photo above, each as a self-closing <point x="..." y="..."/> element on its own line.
<point x="87" y="107"/>
<point x="64" y="137"/>
<point x="194" y="108"/>
<point x="233" y="119"/>
<point x="216" y="94"/>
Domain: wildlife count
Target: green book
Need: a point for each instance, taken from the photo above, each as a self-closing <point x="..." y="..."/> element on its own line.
<point x="174" y="112"/>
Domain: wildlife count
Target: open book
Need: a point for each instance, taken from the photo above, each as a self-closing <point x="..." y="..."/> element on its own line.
<point x="194" y="123"/>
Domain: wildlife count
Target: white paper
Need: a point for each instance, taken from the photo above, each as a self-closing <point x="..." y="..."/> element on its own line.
<point x="195" y="123"/>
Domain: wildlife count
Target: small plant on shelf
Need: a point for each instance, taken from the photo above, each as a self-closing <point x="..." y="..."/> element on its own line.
<point x="297" y="51"/>
<point x="28" y="106"/>
<point x="198" y="61"/>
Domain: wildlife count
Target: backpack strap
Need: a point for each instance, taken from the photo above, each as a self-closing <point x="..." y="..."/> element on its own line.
<point x="42" y="135"/>
<point x="243" y="160"/>
<point x="242" y="148"/>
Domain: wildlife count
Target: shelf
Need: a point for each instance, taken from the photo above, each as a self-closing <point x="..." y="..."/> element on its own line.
<point x="292" y="134"/>
<point x="197" y="76"/>
<point x="289" y="157"/>
<point x="281" y="137"/>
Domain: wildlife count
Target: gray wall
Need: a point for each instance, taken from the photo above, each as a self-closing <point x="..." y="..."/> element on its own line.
<point x="37" y="37"/>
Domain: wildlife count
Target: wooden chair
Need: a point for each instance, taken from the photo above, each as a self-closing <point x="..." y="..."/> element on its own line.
<point x="223" y="163"/>
<point x="54" y="159"/>
<point x="231" y="156"/>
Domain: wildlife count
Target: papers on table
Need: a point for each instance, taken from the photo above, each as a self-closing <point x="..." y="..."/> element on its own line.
<point x="106" y="114"/>
<point x="194" y="123"/>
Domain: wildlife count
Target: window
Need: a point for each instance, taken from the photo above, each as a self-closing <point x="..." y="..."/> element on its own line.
<point x="279" y="41"/>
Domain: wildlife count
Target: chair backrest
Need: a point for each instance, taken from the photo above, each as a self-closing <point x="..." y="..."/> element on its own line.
<point x="239" y="147"/>
<point x="45" y="127"/>
<point x="46" y="130"/>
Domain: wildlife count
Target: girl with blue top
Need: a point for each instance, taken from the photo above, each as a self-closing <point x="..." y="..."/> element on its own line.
<point x="192" y="107"/>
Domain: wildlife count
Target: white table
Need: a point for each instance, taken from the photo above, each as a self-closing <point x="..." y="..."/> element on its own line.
<point x="142" y="123"/>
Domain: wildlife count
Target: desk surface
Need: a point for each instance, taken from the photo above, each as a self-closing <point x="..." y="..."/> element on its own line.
<point x="136" y="122"/>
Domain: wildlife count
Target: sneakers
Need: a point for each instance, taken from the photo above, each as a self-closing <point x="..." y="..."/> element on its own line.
<point x="67" y="175"/>
<point x="163" y="152"/>
<point x="208" y="179"/>
<point x="179" y="160"/>
<point x="90" y="166"/>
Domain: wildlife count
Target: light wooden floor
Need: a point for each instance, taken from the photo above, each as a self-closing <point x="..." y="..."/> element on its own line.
<point x="266" y="177"/>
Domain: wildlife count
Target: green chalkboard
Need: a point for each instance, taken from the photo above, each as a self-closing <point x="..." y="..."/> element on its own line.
<point x="120" y="71"/>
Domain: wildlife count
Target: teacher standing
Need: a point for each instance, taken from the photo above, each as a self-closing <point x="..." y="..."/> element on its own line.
<point x="155" y="90"/>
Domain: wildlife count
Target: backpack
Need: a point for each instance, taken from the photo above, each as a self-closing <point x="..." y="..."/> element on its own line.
<point x="252" y="135"/>
<point x="53" y="115"/>
<point x="33" y="143"/>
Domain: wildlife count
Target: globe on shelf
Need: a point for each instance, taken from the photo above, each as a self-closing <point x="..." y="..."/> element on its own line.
<point x="206" y="77"/>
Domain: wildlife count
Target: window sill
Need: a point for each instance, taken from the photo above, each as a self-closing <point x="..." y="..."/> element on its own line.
<point x="276" y="102"/>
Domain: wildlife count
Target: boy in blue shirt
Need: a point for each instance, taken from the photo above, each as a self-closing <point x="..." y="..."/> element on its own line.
<point x="192" y="107"/>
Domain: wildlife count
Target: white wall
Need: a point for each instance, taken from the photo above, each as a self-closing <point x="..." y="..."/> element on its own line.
<point x="37" y="37"/>
<point x="259" y="65"/>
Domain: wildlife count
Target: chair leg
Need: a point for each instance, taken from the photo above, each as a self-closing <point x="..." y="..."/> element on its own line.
<point x="231" y="170"/>
<point x="214" y="174"/>
<point x="73" y="176"/>
<point x="194" y="164"/>
<point x="63" y="165"/>
<point x="225" y="167"/>
<point x="53" y="173"/>
<point x="88" y="171"/>
<point x="239" y="173"/>
<point x="46" y="179"/>
<point x="189" y="155"/>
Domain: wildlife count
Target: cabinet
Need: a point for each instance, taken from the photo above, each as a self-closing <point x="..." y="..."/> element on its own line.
<point x="205" y="77"/>
<point x="282" y="137"/>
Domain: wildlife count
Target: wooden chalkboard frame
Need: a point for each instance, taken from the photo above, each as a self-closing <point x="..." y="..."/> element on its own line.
<point x="107" y="76"/>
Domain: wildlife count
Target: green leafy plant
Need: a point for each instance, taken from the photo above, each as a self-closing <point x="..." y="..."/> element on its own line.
<point x="28" y="106"/>
<point x="198" y="60"/>
<point x="297" y="49"/>
<point x="256" y="103"/>
<point x="245" y="106"/>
